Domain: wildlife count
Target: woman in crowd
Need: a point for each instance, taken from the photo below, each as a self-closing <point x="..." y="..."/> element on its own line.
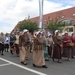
<point x="24" y="44"/>
<point x="7" y="42"/>
<point x="66" y="47"/>
<point x="73" y="47"/>
<point x="28" y="50"/>
<point x="49" y="44"/>
<point x="12" y="39"/>
<point x="2" y="38"/>
<point x="57" y="46"/>
<point x="45" y="46"/>
<point x="38" y="51"/>
<point x="17" y="42"/>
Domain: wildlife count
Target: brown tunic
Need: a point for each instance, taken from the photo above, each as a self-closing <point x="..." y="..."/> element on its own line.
<point x="38" y="57"/>
<point x="38" y="44"/>
<point x="24" y="41"/>
<point x="57" y="49"/>
<point x="57" y="40"/>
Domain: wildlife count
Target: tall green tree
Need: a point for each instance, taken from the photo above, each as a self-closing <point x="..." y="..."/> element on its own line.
<point x="27" y="24"/>
<point x="55" y="24"/>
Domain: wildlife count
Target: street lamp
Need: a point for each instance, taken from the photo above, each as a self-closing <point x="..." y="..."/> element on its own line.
<point x="40" y="14"/>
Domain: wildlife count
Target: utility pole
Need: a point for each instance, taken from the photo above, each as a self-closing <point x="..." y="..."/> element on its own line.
<point x="41" y="14"/>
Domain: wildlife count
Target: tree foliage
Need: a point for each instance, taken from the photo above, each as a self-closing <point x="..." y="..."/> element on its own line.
<point x="27" y="24"/>
<point x="55" y="24"/>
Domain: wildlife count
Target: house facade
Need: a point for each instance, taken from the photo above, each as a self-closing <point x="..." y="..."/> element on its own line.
<point x="66" y="15"/>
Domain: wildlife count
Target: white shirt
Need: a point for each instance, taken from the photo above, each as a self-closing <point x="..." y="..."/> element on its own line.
<point x="49" y="41"/>
<point x="7" y="41"/>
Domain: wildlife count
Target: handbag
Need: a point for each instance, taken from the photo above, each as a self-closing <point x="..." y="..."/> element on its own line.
<point x="70" y="44"/>
<point x="13" y="48"/>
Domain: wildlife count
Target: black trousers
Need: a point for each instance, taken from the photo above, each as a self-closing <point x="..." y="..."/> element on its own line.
<point x="6" y="47"/>
<point x="1" y="48"/>
<point x="11" y="44"/>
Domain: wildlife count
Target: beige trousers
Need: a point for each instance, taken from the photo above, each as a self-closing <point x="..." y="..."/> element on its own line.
<point x="23" y="54"/>
<point x="38" y="58"/>
<point x="27" y="52"/>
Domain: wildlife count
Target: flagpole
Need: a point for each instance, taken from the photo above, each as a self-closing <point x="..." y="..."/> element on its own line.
<point x="40" y="14"/>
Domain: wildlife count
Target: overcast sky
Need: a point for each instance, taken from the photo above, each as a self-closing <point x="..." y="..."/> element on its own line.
<point x="13" y="11"/>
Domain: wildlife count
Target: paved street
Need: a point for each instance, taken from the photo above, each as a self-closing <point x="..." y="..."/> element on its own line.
<point x="10" y="65"/>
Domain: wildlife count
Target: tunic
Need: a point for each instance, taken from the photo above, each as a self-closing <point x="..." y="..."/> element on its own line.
<point x="66" y="49"/>
<point x="50" y="46"/>
<point x="57" y="49"/>
<point x="38" y="52"/>
<point x="45" y="48"/>
<point x="24" y="43"/>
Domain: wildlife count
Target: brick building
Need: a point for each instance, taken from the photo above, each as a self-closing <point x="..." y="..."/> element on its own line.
<point x="67" y="16"/>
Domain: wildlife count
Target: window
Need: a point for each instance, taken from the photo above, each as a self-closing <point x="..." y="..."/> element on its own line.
<point x="50" y="18"/>
<point x="62" y="16"/>
<point x="44" y="20"/>
<point x="68" y="22"/>
<point x="71" y="22"/>
<point x="69" y="29"/>
<point x="57" y="17"/>
<point x="62" y="23"/>
<point x="73" y="14"/>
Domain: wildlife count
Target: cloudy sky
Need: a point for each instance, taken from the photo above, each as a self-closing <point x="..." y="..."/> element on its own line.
<point x="13" y="11"/>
